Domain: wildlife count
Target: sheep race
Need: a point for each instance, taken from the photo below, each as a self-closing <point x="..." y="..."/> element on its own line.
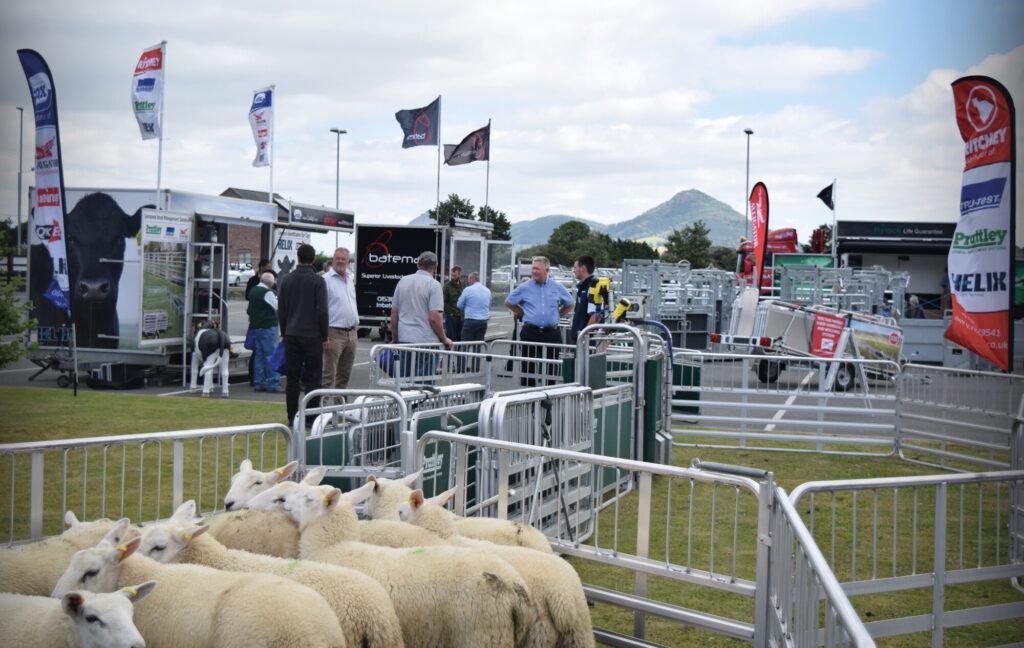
<point x="289" y="562"/>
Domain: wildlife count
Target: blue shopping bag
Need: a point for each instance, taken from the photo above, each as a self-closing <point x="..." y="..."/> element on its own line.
<point x="277" y="358"/>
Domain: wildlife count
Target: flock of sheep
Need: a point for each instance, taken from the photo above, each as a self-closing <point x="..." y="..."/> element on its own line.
<point x="290" y="563"/>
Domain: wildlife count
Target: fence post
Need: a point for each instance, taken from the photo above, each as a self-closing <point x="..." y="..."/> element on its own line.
<point x="764" y="560"/>
<point x="939" y="565"/>
<point x="643" y="528"/>
<point x="35" y="527"/>
<point x="177" y="475"/>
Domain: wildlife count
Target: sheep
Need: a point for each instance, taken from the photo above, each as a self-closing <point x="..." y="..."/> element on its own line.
<point x="272" y="534"/>
<point x="200" y="606"/>
<point x="33" y="569"/>
<point x="363" y="608"/>
<point x="443" y="595"/>
<point x="390" y="494"/>
<point x="562" y="612"/>
<point x="77" y="620"/>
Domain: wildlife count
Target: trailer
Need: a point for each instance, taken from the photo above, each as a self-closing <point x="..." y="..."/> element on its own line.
<point x="150" y="269"/>
<point x="773" y="327"/>
<point x="386" y="253"/>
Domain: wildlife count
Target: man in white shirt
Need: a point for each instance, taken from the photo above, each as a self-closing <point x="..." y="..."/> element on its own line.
<point x="343" y="323"/>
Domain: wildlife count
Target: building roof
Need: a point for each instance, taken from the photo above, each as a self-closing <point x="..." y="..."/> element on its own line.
<point x="259" y="196"/>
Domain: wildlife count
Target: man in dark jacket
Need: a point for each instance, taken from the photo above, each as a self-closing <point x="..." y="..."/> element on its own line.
<point x="302" y="316"/>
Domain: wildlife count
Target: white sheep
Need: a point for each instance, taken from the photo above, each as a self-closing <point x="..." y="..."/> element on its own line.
<point x="389" y="494"/>
<point x="248" y="482"/>
<point x="444" y="596"/>
<point x="199" y="606"/>
<point x="263" y="532"/>
<point x="363" y="608"/>
<point x="33" y="568"/>
<point x="77" y="620"/>
<point x="562" y="612"/>
<point x="385" y="533"/>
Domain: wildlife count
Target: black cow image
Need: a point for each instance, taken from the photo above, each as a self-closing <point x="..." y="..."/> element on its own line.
<point x="95" y="231"/>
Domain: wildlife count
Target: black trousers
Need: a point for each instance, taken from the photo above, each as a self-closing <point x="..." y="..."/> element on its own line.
<point x="549" y="335"/>
<point x="304" y="357"/>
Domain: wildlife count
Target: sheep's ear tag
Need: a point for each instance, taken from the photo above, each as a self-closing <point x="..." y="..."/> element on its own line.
<point x="121" y="548"/>
<point x="278" y="471"/>
<point x="327" y="500"/>
<point x="187" y="535"/>
<point x="130" y="590"/>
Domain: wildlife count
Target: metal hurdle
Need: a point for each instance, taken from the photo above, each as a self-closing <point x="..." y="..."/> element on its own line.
<point x="923" y="533"/>
<point x="129" y="477"/>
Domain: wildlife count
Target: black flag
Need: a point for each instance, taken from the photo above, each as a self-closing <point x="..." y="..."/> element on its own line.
<point x="473" y="147"/>
<point x="826" y="196"/>
<point x="420" y="124"/>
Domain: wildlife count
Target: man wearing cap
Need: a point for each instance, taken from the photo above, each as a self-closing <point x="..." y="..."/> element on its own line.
<point x="416" y="307"/>
<point x="540" y="304"/>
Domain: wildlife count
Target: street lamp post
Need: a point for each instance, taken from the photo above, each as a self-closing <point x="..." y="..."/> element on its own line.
<point x="21" y="148"/>
<point x="337" y="175"/>
<point x="746" y="196"/>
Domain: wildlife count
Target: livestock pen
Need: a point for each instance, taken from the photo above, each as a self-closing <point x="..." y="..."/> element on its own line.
<point x="669" y="554"/>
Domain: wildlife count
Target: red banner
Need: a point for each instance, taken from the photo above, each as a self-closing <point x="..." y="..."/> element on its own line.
<point x="759" y="228"/>
<point x="981" y="257"/>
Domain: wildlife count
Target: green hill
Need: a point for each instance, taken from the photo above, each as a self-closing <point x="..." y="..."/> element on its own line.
<point x="653" y="226"/>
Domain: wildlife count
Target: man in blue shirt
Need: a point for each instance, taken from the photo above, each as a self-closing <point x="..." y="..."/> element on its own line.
<point x="540" y="304"/>
<point x="475" y="303"/>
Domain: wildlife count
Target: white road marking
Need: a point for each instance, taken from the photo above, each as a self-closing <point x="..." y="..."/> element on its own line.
<point x="789" y="401"/>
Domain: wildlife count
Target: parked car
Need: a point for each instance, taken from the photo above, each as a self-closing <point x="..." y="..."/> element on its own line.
<point x="239" y="274"/>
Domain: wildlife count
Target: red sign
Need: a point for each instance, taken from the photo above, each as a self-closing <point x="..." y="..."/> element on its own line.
<point x="759" y="226"/>
<point x="150" y="60"/>
<point x="985" y="119"/>
<point x="825" y="335"/>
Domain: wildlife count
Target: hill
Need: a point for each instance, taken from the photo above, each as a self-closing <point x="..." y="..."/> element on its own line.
<point x="653" y="226"/>
<point x="686" y="207"/>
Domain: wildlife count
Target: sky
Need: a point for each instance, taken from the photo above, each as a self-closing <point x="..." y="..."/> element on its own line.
<point x="600" y="109"/>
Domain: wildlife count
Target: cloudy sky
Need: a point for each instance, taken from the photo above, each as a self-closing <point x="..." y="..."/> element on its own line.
<point x="601" y="109"/>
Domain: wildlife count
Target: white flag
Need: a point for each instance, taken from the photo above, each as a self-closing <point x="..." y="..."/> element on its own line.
<point x="147" y="91"/>
<point x="261" y="118"/>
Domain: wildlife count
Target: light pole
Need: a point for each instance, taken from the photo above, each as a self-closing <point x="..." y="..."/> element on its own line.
<point x="746" y="196"/>
<point x="21" y="148"/>
<point x="337" y="175"/>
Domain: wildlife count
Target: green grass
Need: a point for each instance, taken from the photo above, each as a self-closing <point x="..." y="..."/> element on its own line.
<point x="71" y="480"/>
<point x="36" y="414"/>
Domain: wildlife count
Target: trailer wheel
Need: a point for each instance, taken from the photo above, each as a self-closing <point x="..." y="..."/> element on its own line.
<point x="768" y="371"/>
<point x="63" y="381"/>
<point x="845" y="377"/>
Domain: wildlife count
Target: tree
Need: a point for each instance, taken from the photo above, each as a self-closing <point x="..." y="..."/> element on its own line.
<point x="809" y="245"/>
<point x="15" y="325"/>
<point x="691" y="243"/>
<point x="453" y="207"/>
<point x="502" y="228"/>
<point x="626" y="249"/>
<point x="569" y="235"/>
<point x="724" y="257"/>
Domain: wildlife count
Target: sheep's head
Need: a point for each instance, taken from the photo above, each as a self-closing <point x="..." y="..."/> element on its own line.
<point x="248" y="482"/>
<point x="387" y="495"/>
<point x="306" y="503"/>
<point x="163" y="541"/>
<point x="96" y="569"/>
<point x="105" y="620"/>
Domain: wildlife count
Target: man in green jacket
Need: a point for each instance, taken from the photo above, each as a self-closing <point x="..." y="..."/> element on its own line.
<point x="452" y="289"/>
<point x="263" y="320"/>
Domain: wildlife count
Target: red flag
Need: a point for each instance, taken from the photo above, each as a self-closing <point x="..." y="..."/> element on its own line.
<point x="759" y="227"/>
<point x="981" y="257"/>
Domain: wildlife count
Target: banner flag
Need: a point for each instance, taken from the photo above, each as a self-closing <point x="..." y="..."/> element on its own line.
<point x="759" y="228"/>
<point x="826" y="196"/>
<point x="48" y="217"/>
<point x="473" y="147"/>
<point x="981" y="257"/>
<point x="261" y="119"/>
<point x="419" y="125"/>
<point x="147" y="86"/>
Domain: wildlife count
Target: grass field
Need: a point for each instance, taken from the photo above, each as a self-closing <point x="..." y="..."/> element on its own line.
<point x="31" y="414"/>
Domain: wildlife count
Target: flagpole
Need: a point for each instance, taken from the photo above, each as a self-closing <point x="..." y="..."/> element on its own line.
<point x="835" y="261"/>
<point x="437" y="206"/>
<point x="487" y="186"/>
<point x="273" y="102"/>
<point x="160" y="140"/>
